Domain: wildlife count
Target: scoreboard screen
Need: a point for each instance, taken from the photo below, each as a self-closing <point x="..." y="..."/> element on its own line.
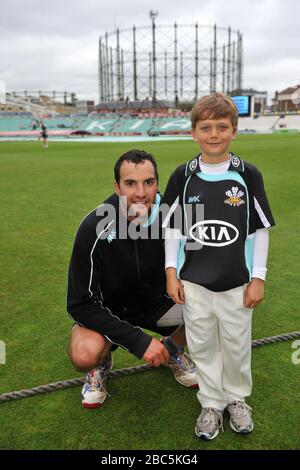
<point x="243" y="104"/>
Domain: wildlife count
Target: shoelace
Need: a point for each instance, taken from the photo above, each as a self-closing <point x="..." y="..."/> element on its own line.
<point x="96" y="383"/>
<point x="241" y="409"/>
<point x="94" y="379"/>
<point x="184" y="361"/>
<point x="211" y="415"/>
<point x="98" y="377"/>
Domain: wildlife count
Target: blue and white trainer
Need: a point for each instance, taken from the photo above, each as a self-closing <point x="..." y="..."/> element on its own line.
<point x="94" y="391"/>
<point x="183" y="368"/>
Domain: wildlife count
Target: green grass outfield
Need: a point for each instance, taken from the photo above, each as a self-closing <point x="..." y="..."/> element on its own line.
<point x="44" y="196"/>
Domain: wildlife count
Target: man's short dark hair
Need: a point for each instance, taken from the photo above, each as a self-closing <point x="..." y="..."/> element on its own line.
<point x="134" y="156"/>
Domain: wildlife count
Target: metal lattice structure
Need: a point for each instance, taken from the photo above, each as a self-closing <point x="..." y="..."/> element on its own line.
<point x="169" y="62"/>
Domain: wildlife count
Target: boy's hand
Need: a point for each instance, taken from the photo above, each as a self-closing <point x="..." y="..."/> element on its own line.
<point x="174" y="286"/>
<point x="254" y="293"/>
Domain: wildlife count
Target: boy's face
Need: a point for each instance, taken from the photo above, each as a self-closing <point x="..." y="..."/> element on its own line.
<point x="214" y="137"/>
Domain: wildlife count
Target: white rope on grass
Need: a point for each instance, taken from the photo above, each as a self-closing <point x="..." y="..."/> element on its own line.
<point x="121" y="372"/>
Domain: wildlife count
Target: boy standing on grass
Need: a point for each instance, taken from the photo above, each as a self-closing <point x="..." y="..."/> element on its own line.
<point x="216" y="263"/>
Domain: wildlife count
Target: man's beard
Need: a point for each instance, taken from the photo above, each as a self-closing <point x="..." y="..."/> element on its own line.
<point x="138" y="213"/>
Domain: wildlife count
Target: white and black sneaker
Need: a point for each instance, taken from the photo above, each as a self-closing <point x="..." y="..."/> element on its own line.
<point x="209" y="423"/>
<point x="240" y="417"/>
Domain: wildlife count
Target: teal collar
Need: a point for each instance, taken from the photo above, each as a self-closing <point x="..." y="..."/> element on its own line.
<point x="193" y="166"/>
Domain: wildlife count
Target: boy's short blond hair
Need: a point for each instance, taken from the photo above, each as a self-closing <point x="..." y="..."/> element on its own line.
<point x="215" y="106"/>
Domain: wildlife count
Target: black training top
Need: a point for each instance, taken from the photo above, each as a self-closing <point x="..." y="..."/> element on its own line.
<point x="117" y="285"/>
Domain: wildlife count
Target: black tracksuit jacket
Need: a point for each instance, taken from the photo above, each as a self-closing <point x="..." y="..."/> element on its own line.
<point x="116" y="286"/>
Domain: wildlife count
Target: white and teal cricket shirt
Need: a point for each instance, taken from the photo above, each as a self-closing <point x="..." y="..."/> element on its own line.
<point x="218" y="214"/>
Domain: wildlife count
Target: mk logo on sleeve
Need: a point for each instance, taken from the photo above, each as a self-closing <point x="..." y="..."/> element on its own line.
<point x="194" y="199"/>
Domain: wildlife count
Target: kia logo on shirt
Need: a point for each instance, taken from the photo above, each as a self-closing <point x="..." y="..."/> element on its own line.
<point x="214" y="233"/>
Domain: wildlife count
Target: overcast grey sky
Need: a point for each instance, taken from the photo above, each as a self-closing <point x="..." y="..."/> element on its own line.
<point x="53" y="45"/>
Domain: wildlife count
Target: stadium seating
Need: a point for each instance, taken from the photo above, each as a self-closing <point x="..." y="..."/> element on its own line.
<point x="15" y="123"/>
<point x="132" y="125"/>
<point x="289" y="122"/>
<point x="167" y="125"/>
<point x="99" y="125"/>
<point x="262" y="123"/>
<point x="117" y="124"/>
<point x="60" y="123"/>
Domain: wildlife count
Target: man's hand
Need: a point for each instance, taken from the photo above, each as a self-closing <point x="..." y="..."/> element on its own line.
<point x="254" y="293"/>
<point x="156" y="354"/>
<point x="174" y="286"/>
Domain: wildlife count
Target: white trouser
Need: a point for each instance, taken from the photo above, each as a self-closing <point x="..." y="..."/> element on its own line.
<point x="218" y="333"/>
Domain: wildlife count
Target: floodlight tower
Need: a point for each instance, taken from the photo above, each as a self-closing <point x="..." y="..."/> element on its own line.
<point x="153" y="15"/>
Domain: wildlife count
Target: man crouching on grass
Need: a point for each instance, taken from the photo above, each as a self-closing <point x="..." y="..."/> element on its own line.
<point x="116" y="284"/>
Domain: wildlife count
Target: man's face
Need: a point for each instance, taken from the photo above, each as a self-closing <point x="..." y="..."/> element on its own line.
<point x="139" y="185"/>
<point x="214" y="137"/>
